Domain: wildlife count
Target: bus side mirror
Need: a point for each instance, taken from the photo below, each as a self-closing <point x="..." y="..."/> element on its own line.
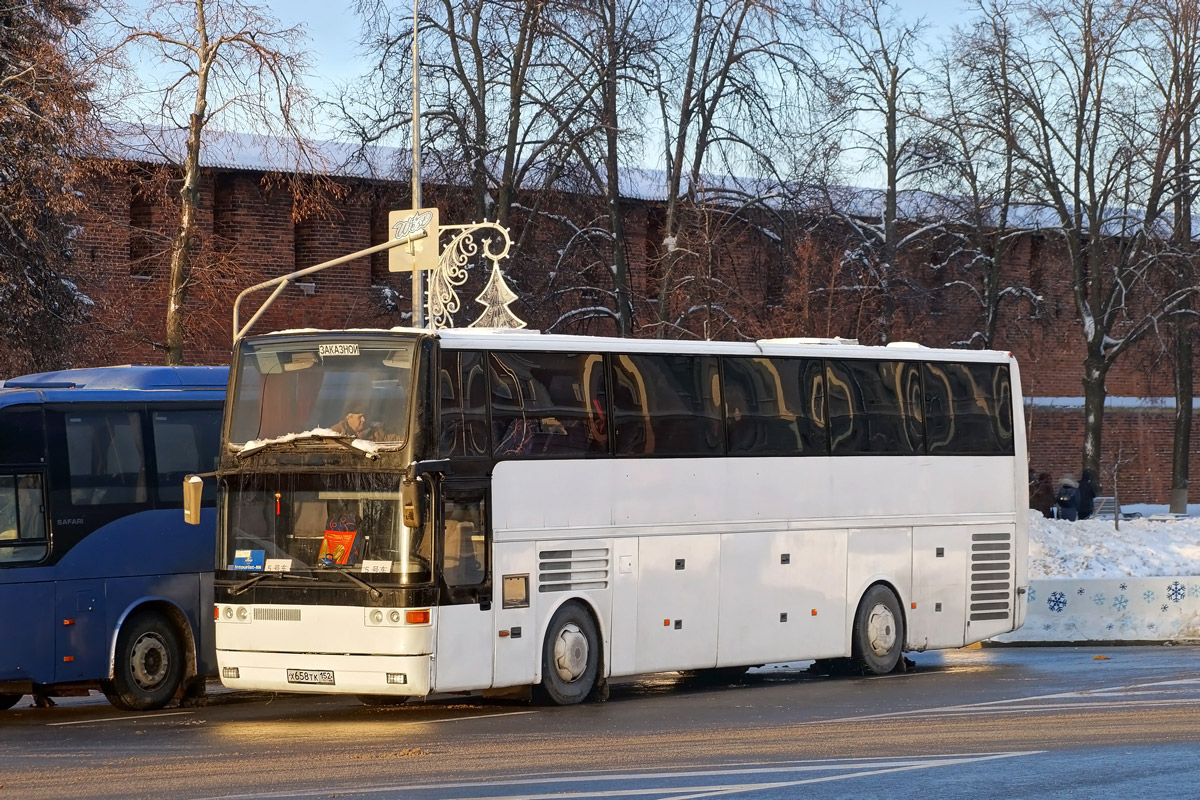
<point x="410" y="500"/>
<point x="193" y="487"/>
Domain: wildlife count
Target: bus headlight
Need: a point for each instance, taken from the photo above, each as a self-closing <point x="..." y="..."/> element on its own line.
<point x="376" y="616"/>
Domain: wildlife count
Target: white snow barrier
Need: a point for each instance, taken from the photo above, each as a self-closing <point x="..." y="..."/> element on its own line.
<point x="1111" y="610"/>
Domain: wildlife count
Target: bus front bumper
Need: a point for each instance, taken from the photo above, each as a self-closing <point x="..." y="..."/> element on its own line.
<point x="325" y="673"/>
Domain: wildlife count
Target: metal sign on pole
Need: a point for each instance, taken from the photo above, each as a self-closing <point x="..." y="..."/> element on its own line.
<point x="421" y="254"/>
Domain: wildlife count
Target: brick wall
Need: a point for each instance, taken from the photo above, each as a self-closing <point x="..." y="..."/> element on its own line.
<point x="251" y="230"/>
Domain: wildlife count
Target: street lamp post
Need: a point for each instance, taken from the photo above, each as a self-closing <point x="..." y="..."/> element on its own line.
<point x="418" y="277"/>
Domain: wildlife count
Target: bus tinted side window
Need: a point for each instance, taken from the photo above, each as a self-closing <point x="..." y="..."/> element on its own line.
<point x="968" y="409"/>
<point x="875" y="407"/>
<point x="106" y="457"/>
<point x="463" y="390"/>
<point x="546" y="404"/>
<point x="185" y="441"/>
<point x="23" y="536"/>
<point x="775" y="406"/>
<point x="22" y="435"/>
<point x="667" y="405"/>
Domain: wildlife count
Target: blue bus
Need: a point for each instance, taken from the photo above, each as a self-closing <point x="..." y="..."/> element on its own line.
<point x="102" y="585"/>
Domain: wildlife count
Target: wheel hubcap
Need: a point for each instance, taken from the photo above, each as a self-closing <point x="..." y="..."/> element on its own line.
<point x="570" y="653"/>
<point x="881" y="630"/>
<point x="149" y="661"/>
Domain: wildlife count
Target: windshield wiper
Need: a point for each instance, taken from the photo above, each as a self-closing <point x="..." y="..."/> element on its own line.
<point x="354" y="578"/>
<point x="246" y="584"/>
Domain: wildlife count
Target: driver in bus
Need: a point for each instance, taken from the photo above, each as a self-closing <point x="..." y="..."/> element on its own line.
<point x="354" y="423"/>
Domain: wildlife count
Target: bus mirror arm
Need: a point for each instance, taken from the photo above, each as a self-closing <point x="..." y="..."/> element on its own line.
<point x="440" y="466"/>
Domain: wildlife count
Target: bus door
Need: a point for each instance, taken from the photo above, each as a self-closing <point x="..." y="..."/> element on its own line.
<point x="26" y="587"/>
<point x="463" y="654"/>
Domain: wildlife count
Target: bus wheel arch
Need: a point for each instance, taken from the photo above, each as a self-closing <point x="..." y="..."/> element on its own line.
<point x="572" y="657"/>
<point x="878" y="635"/>
<point x="153" y="655"/>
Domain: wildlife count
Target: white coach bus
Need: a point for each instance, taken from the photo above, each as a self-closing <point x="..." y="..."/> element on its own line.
<point x="405" y="512"/>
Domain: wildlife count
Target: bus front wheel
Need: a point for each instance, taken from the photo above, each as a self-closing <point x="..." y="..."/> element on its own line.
<point x="148" y="666"/>
<point x="7" y="701"/>
<point x="570" y="656"/>
<point x="878" y="631"/>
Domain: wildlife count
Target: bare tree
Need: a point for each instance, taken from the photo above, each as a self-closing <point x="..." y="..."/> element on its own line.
<point x="732" y="106"/>
<point x="975" y="180"/>
<point x="1083" y="122"/>
<point x="204" y="62"/>
<point x="46" y="128"/>
<point x="875" y="80"/>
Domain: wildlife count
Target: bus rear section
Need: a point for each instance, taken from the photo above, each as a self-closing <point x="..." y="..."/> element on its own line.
<point x="101" y="583"/>
<point x="552" y="511"/>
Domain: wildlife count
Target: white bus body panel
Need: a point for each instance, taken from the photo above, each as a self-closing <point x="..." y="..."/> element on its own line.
<point x="276" y="638"/>
<point x="463" y="658"/>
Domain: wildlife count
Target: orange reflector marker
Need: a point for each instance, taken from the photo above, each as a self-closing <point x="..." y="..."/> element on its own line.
<point x="68" y="659"/>
<point x="666" y="623"/>
<point x="503" y="634"/>
<point x="914" y="605"/>
<point x="216" y="612"/>
<point x="417" y="617"/>
<point x="814" y="612"/>
<point x="68" y="622"/>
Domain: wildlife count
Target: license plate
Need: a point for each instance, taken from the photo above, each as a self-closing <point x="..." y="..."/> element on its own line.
<point x="322" y="676"/>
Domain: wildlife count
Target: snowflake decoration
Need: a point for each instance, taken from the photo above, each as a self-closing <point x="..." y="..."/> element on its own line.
<point x="1176" y="592"/>
<point x="1120" y="602"/>
<point x="1057" y="602"/>
<point x="1033" y="594"/>
<point x="1151" y="626"/>
<point x="1164" y="607"/>
<point x="1046" y="626"/>
<point x="1079" y="591"/>
<point x="1194" y="590"/>
<point x="1098" y="598"/>
<point x="1148" y="595"/>
<point x="1110" y="626"/>
<point x="1124" y="586"/>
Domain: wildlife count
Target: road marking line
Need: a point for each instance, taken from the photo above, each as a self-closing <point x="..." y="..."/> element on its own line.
<point x="481" y="716"/>
<point x="119" y="719"/>
<point x="859" y="767"/>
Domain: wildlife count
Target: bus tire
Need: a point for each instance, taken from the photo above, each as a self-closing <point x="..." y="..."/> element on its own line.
<point x="878" y="631"/>
<point x="7" y="701"/>
<point x="149" y="664"/>
<point x="382" y="700"/>
<point x="570" y="656"/>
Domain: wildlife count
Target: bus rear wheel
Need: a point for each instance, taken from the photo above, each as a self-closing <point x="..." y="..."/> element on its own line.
<point x="7" y="701"/>
<point x="570" y="657"/>
<point x="148" y="666"/>
<point x="878" y="631"/>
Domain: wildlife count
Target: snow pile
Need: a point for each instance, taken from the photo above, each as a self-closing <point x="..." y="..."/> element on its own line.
<point x="1142" y="548"/>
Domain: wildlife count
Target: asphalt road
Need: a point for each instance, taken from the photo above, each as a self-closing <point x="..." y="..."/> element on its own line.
<point x="979" y="723"/>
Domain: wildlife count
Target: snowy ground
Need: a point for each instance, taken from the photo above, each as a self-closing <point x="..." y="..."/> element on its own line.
<point x="1141" y="548"/>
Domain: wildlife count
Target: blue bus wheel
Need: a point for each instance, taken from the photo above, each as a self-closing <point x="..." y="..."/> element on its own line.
<point x="7" y="701"/>
<point x="148" y="666"/>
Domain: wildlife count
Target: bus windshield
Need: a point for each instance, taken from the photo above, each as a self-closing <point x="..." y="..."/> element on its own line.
<point x="355" y="386"/>
<point x="304" y="522"/>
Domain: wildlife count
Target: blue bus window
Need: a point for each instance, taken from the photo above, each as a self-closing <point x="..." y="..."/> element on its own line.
<point x="106" y="458"/>
<point x="22" y="519"/>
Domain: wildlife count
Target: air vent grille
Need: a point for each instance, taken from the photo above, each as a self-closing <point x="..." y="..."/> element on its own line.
<point x="573" y="570"/>
<point x="991" y="576"/>
<point x="277" y="614"/>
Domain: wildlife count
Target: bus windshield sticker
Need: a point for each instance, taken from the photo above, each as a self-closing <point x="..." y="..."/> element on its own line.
<point x="249" y="559"/>
<point x="278" y="565"/>
<point x="340" y="349"/>
<point x="370" y="565"/>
